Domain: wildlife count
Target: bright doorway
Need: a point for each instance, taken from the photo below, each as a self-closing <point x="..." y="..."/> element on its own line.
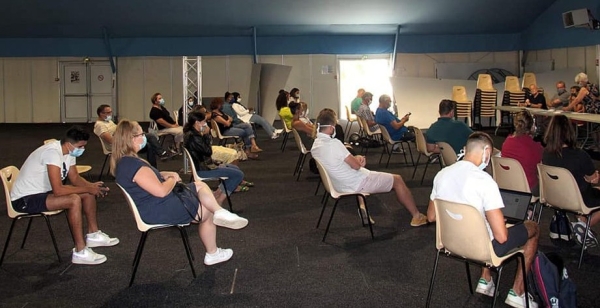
<point x="373" y="75"/>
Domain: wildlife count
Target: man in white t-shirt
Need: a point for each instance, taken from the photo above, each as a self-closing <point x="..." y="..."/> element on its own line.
<point x="105" y="128"/>
<point x="466" y="182"/>
<point x="347" y="171"/>
<point x="39" y="188"/>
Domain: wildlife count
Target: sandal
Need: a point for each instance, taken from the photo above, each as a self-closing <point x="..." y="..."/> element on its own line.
<point x="242" y="188"/>
<point x="252" y="155"/>
<point x="256" y="150"/>
<point x="247" y="184"/>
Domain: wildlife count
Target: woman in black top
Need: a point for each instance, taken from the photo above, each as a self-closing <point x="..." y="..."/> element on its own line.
<point x="225" y="124"/>
<point x="561" y="151"/>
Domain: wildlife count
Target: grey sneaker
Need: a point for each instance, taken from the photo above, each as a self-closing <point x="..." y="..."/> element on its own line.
<point x="221" y="255"/>
<point x="100" y="239"/>
<point x="87" y="256"/>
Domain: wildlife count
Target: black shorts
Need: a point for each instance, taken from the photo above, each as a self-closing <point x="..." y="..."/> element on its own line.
<point x="517" y="237"/>
<point x="31" y="204"/>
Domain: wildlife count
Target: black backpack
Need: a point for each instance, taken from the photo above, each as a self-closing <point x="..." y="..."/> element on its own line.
<point x="357" y="140"/>
<point x="549" y="282"/>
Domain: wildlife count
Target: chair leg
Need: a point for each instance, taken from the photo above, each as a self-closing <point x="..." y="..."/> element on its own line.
<point x="346" y="130"/>
<point x="52" y="236"/>
<point x="585" y="236"/>
<point x="186" y="246"/>
<point x="12" y="226"/>
<point x="284" y="141"/>
<point x="227" y="195"/>
<point x="497" y="283"/>
<point x="138" y="256"/>
<point x="426" y="165"/>
<point x="403" y="152"/>
<point x="318" y="186"/>
<point x="522" y="257"/>
<point x="325" y="198"/>
<point x="26" y="232"/>
<point x="102" y="170"/>
<point x="416" y="166"/>
<point x="331" y="218"/>
<point x="435" y="265"/>
<point x="297" y="164"/>
<point x="412" y="160"/>
<point x="469" y="281"/>
<point x="368" y="217"/>
<point x="383" y="150"/>
<point x="301" y="166"/>
<point x="322" y="211"/>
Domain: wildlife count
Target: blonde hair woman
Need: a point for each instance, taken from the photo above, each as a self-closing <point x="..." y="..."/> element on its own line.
<point x="153" y="193"/>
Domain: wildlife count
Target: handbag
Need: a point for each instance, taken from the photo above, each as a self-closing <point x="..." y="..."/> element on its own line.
<point x="239" y="147"/>
<point x="184" y="193"/>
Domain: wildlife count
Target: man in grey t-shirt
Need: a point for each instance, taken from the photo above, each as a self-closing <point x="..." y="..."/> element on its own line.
<point x="561" y="99"/>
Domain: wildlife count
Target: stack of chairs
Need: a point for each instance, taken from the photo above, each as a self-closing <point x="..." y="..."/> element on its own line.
<point x="529" y="79"/>
<point x="512" y="96"/>
<point x="463" y="105"/>
<point x="485" y="100"/>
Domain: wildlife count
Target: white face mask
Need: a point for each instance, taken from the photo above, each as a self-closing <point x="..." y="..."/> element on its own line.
<point x="108" y="118"/>
<point x="319" y="129"/>
<point x="484" y="161"/>
<point x="239" y="100"/>
<point x="191" y="103"/>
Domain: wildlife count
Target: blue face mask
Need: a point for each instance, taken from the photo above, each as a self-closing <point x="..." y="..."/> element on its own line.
<point x="161" y="102"/>
<point x="76" y="152"/>
<point x="144" y="141"/>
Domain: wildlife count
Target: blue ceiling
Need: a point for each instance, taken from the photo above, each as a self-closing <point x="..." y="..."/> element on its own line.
<point x="202" y="18"/>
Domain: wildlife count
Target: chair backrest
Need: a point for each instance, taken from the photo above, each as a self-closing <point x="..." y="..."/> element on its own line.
<point x="528" y="79"/>
<point x="49" y="140"/>
<point x="299" y="142"/>
<point x="326" y="180"/>
<point x="9" y="176"/>
<point x="559" y="189"/>
<point x="459" y="94"/>
<point x="449" y="156"/>
<point x="420" y="140"/>
<point x="192" y="165"/>
<point x="349" y="115"/>
<point x="152" y="127"/>
<point x="511" y="84"/>
<point x="386" y="136"/>
<point x="104" y="149"/>
<point x="367" y="129"/>
<point x="461" y="229"/>
<point x="215" y="129"/>
<point x="141" y="225"/>
<point x="484" y="82"/>
<point x="509" y="174"/>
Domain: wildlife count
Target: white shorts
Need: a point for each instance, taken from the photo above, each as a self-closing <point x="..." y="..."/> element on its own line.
<point x="377" y="182"/>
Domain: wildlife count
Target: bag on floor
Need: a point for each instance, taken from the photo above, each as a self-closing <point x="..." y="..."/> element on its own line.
<point x="357" y="140"/>
<point x="549" y="282"/>
<point x="239" y="147"/>
<point x="560" y="227"/>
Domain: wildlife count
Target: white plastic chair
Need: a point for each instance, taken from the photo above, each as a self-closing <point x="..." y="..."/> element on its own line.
<point x="330" y="191"/>
<point x="217" y="134"/>
<point x="388" y="147"/>
<point x="107" y="154"/>
<point x="146" y="228"/>
<point x="422" y="149"/>
<point x="9" y="176"/>
<point x="196" y="177"/>
<point x="448" y="154"/>
<point x="303" y="153"/>
<point x="461" y="234"/>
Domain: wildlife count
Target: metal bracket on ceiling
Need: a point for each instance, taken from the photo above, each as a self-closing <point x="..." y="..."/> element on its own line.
<point x="395" y="50"/>
<point x="109" y="49"/>
<point x="254" y="43"/>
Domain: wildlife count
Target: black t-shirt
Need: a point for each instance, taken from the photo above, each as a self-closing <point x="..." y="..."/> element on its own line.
<point x="162" y="113"/>
<point x="578" y="162"/>
<point x="539" y="99"/>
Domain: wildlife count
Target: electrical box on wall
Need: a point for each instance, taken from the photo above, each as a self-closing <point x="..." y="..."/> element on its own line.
<point x="579" y="18"/>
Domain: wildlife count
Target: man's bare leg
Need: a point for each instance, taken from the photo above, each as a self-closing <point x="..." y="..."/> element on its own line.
<point x="72" y="204"/>
<point x="404" y="196"/>
<point x="89" y="209"/>
<point x="530" y="249"/>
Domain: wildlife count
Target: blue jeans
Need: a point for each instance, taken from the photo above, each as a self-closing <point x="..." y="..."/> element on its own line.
<point x="234" y="174"/>
<point x="263" y="123"/>
<point x="242" y="130"/>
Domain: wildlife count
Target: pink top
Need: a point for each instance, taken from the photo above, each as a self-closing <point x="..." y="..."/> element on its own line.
<point x="525" y="151"/>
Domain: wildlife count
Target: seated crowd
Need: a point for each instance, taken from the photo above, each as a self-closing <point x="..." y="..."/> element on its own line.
<point x="40" y="185"/>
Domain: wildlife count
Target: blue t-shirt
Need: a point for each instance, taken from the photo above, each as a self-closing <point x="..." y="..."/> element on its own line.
<point x="228" y="110"/>
<point x="153" y="210"/>
<point x="385" y="117"/>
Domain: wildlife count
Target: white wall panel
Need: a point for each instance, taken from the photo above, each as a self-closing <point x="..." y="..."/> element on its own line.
<point x="240" y="74"/>
<point x="560" y="58"/>
<point x="300" y="76"/>
<point x="131" y="101"/>
<point x="177" y="83"/>
<point x="17" y="90"/>
<point x="45" y="90"/>
<point x="324" y="86"/>
<point x="157" y="79"/>
<point x="582" y="58"/>
<point x="214" y="76"/>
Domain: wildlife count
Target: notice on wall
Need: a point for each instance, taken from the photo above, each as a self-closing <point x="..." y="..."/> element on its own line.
<point x="74" y="76"/>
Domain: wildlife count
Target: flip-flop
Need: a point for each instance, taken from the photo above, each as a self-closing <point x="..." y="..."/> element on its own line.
<point x="247" y="184"/>
<point x="256" y="150"/>
<point x="242" y="188"/>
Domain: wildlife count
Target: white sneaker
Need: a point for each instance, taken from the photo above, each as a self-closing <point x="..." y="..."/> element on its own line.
<point x="87" y="256"/>
<point x="275" y="135"/>
<point x="485" y="287"/>
<point x="279" y="131"/>
<point x="224" y="218"/>
<point x="100" y="239"/>
<point x="221" y="255"/>
<point x="514" y="300"/>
